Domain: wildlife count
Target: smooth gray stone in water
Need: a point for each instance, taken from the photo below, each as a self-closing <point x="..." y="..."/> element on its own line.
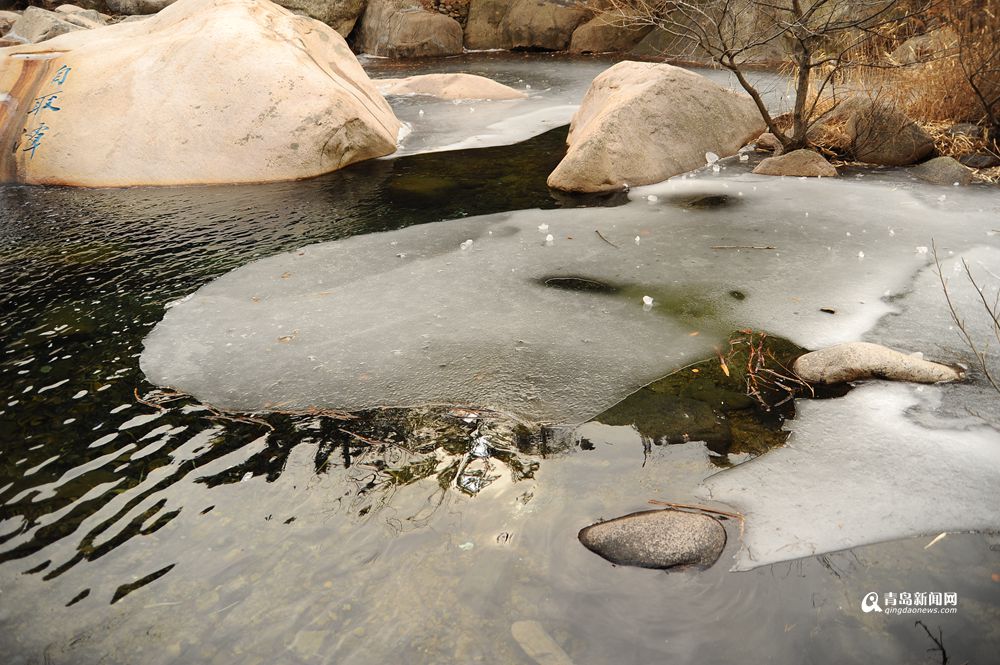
<point x="657" y="539"/>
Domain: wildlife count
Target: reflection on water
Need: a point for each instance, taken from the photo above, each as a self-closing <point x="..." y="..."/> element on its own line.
<point x="141" y="526"/>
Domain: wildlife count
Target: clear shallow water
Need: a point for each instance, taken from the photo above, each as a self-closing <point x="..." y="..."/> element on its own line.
<point x="183" y="536"/>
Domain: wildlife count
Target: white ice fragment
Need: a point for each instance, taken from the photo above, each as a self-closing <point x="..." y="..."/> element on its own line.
<point x="647" y="303"/>
<point x="711" y="157"/>
<point x="744" y="158"/>
<point x="715" y="168"/>
<point x="528" y="86"/>
<point x="652" y="198"/>
<point x="921" y="250"/>
<point x="861" y="255"/>
<point x="481" y="448"/>
<point x="543" y="227"/>
<point x="942" y="197"/>
<point x="467" y="244"/>
<point x="549" y="240"/>
<point x="246" y="476"/>
<point x="420" y="113"/>
<point x="638" y="240"/>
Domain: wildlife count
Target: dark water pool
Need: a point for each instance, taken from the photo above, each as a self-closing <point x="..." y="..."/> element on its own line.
<point x="142" y="527"/>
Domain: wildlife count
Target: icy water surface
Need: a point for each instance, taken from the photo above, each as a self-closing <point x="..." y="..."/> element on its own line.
<point x="163" y="531"/>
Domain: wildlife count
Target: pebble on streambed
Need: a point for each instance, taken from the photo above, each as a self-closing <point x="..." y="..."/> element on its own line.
<point x="657" y="539"/>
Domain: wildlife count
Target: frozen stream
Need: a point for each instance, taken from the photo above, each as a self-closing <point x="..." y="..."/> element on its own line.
<point x="139" y="527"/>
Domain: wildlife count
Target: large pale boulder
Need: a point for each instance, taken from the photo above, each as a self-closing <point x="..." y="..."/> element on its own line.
<point x="643" y="122"/>
<point x="657" y="539"/>
<point x="39" y="25"/>
<point x="222" y="92"/>
<point x="602" y="35"/>
<point x="341" y="15"/>
<point x="526" y="24"/>
<point x="861" y="360"/>
<point x="449" y="86"/>
<point x="806" y="163"/>
<point x="404" y="29"/>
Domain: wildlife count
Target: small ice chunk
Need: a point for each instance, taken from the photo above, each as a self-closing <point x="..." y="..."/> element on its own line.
<point x="420" y="113"/>
<point x="861" y="255"/>
<point x="744" y="158"/>
<point x="647" y="303"/>
<point x="921" y="250"/>
<point x="481" y="448"/>
<point x="711" y="157"/>
<point x="549" y="240"/>
<point x="942" y="197"/>
<point x="715" y="168"/>
<point x="652" y="198"/>
<point x="638" y="240"/>
<point x="543" y="227"/>
<point x="467" y="244"/>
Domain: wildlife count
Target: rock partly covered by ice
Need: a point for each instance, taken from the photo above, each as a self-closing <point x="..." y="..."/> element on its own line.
<point x="856" y="471"/>
<point x="657" y="539"/>
<point x="449" y="86"/>
<point x="863" y="360"/>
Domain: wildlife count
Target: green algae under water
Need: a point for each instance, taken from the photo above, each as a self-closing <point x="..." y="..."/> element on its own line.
<point x="159" y="530"/>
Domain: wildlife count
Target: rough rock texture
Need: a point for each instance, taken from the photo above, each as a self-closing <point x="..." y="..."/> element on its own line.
<point x="341" y="15"/>
<point x="797" y="163"/>
<point x="598" y="35"/>
<point x="449" y="86"/>
<point x="769" y="142"/>
<point x="220" y="92"/>
<point x="130" y="7"/>
<point x="925" y="47"/>
<point x="39" y="25"/>
<point x="657" y="539"/>
<point x="404" y="29"/>
<point x="980" y="160"/>
<point x="861" y="360"/>
<point x="873" y="132"/>
<point x="86" y="18"/>
<point x="528" y="24"/>
<point x="641" y="123"/>
<point x="943" y="171"/>
<point x="7" y="19"/>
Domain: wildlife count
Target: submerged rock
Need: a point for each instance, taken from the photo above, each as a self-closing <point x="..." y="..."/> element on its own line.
<point x="404" y="29"/>
<point x="177" y="99"/>
<point x="862" y="360"/>
<point x="449" y="86"/>
<point x="943" y="171"/>
<point x="797" y="163"/>
<point x="657" y="539"/>
<point x="642" y="123"/>
<point x="538" y="644"/>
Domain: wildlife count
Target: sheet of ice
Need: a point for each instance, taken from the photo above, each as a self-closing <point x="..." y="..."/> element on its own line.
<point x="857" y="470"/>
<point x="409" y="317"/>
<point x="923" y="310"/>
<point x="555" y="86"/>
